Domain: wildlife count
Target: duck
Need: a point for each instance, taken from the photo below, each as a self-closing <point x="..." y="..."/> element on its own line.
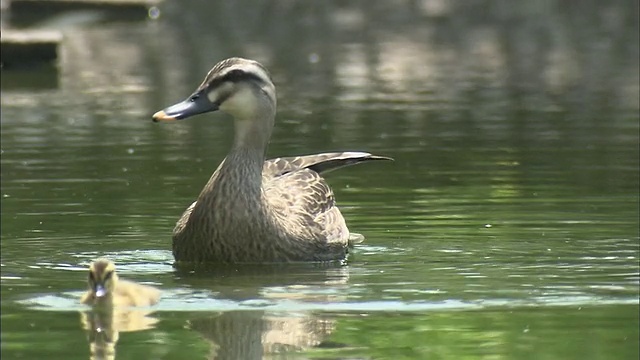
<point x="106" y="289"/>
<point x="254" y="210"/>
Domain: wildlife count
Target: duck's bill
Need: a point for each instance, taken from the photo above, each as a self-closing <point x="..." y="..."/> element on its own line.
<point x="192" y="106"/>
<point x="100" y="291"/>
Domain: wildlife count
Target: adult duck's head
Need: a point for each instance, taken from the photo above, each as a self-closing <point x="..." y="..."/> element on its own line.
<point x="102" y="278"/>
<point x="239" y="87"/>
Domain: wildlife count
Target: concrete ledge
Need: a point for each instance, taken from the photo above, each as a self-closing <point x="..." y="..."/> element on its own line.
<point x="127" y="8"/>
<point x="28" y="47"/>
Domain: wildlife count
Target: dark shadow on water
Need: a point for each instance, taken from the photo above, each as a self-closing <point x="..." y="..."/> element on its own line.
<point x="27" y="76"/>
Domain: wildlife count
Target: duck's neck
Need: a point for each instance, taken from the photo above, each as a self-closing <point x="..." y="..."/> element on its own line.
<point x="238" y="179"/>
<point x="241" y="172"/>
<point x="252" y="136"/>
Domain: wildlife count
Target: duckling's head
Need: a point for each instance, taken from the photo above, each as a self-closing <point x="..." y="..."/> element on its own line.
<point x="239" y="87"/>
<point x="102" y="277"/>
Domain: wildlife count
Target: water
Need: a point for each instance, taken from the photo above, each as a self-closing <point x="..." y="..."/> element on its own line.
<point x="506" y="227"/>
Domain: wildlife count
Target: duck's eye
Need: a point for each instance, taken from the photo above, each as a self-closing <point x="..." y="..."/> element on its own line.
<point x="107" y="276"/>
<point x="91" y="278"/>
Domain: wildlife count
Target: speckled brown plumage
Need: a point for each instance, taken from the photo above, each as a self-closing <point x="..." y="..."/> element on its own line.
<point x="252" y="210"/>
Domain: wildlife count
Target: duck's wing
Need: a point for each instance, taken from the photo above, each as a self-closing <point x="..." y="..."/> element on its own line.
<point x="304" y="200"/>
<point x="319" y="163"/>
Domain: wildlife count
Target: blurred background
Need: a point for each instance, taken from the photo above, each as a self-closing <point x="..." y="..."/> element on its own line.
<point x="506" y="227"/>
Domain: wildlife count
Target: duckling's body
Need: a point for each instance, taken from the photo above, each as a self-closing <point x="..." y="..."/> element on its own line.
<point x="107" y="290"/>
<point x="253" y="210"/>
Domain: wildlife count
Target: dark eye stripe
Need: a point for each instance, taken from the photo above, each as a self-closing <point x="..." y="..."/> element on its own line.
<point x="239" y="75"/>
<point x="108" y="275"/>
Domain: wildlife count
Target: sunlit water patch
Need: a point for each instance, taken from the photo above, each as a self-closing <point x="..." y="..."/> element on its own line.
<point x="190" y="300"/>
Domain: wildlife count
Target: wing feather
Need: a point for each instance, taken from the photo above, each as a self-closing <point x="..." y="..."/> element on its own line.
<point x="319" y="162"/>
<point x="298" y="194"/>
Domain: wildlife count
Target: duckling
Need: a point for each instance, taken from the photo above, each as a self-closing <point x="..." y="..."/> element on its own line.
<point x="254" y="210"/>
<point x="106" y="289"/>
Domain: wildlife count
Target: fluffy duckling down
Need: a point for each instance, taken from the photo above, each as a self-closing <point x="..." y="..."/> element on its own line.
<point x="106" y="289"/>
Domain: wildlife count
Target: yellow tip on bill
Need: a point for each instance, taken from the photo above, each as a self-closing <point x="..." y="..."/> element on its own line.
<point x="162" y="116"/>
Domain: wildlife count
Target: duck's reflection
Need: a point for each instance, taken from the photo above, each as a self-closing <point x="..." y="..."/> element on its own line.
<point x="246" y="282"/>
<point x="254" y="334"/>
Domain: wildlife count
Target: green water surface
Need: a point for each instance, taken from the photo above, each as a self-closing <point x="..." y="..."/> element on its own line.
<point x="506" y="227"/>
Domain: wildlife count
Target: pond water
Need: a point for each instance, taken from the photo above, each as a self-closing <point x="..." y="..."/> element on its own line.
<point x="506" y="227"/>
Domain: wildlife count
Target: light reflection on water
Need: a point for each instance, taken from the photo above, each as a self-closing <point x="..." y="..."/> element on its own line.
<point x="184" y="300"/>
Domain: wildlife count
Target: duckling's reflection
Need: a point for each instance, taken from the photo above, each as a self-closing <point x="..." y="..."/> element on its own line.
<point x="112" y="312"/>
<point x="256" y="334"/>
<point x="101" y="335"/>
<point x="104" y="327"/>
